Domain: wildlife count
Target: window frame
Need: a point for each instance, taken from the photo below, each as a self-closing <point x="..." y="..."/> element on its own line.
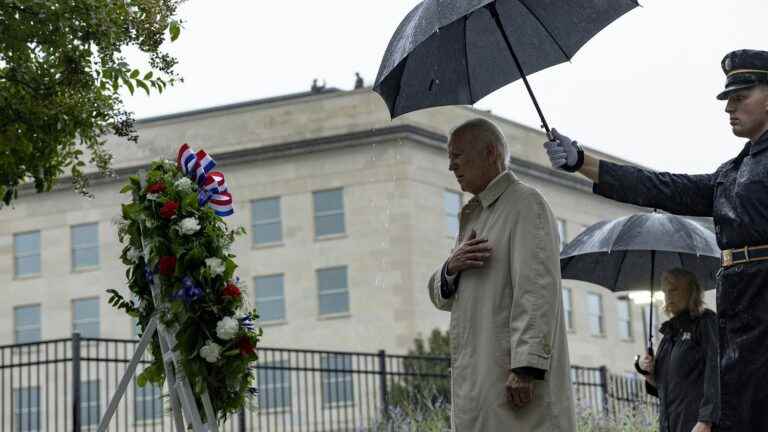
<point x="16" y="255"/>
<point x="329" y="378"/>
<point x="624" y="323"/>
<point x="340" y="211"/>
<point x="256" y="222"/>
<point x="600" y="315"/>
<point x="39" y="326"/>
<point x="448" y="217"/>
<point x="258" y="301"/>
<point x="568" y="315"/>
<point x="284" y="384"/>
<point x="75" y="321"/>
<point x="78" y="247"/>
<point x="333" y="291"/>
<point x="20" y="410"/>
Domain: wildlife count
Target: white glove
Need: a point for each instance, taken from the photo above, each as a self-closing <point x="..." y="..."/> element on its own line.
<point x="562" y="151"/>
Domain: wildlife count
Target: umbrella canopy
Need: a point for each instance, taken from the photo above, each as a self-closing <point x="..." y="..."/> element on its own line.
<point x="454" y="52"/>
<point x="632" y="252"/>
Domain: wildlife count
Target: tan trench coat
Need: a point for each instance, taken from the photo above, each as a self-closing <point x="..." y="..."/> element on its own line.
<point x="508" y="314"/>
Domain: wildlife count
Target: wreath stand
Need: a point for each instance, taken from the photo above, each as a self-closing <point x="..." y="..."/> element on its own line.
<point x="181" y="395"/>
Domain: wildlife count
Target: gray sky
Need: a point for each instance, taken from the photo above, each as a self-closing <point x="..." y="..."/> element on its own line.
<point x="643" y="89"/>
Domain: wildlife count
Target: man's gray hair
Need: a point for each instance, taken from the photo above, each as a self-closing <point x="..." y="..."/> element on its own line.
<point x="486" y="132"/>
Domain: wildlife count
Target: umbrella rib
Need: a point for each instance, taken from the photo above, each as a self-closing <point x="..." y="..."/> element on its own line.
<point x="546" y="29"/>
<point x="618" y="270"/>
<point x="466" y="58"/>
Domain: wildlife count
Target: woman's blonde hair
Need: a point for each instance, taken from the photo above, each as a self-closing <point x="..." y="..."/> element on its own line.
<point x="685" y="278"/>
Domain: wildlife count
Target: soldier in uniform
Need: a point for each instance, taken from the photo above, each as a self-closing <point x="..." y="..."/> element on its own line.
<point x="736" y="196"/>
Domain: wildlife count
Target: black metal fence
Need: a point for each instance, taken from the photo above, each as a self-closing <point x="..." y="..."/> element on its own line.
<point x="300" y="390"/>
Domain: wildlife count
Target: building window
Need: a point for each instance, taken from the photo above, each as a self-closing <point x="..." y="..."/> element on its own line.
<point x="266" y="224"/>
<point x="561" y="232"/>
<point x="274" y="385"/>
<point x="624" y="313"/>
<point x="333" y="290"/>
<point x="452" y="207"/>
<point x="26" y="253"/>
<point x="26" y="409"/>
<point x="85" y="246"/>
<point x="595" y="310"/>
<point x="148" y="405"/>
<point x="337" y="382"/>
<point x="85" y="317"/>
<point x="329" y="212"/>
<point x="89" y="403"/>
<point x="568" y="308"/>
<point x="270" y="297"/>
<point x="27" y="323"/>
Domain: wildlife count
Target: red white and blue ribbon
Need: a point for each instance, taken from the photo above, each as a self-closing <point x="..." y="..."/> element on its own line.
<point x="211" y="184"/>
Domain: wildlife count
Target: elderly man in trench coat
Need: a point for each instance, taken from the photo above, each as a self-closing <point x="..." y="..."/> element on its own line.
<point x="509" y="354"/>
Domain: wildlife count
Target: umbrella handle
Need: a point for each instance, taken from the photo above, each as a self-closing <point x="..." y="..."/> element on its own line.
<point x="637" y="362"/>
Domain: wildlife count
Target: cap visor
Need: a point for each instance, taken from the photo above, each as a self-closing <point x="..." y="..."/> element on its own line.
<point x="732" y="89"/>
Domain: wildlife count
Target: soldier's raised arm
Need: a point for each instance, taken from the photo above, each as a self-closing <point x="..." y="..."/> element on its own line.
<point x="681" y="194"/>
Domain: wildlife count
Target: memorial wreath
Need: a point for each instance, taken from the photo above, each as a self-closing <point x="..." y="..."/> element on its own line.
<point x="173" y="228"/>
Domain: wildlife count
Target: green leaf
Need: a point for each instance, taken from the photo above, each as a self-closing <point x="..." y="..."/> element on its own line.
<point x="148" y="76"/>
<point x="135" y="74"/>
<point x="128" y="84"/>
<point x="174" y="30"/>
<point x="143" y="85"/>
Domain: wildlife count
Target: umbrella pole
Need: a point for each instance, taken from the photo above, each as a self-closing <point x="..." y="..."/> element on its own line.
<point x="650" y="320"/>
<point x="492" y="8"/>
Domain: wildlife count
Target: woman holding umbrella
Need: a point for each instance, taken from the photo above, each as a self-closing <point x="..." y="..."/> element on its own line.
<point x="684" y="374"/>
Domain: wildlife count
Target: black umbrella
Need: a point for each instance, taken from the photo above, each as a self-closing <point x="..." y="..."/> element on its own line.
<point x="454" y="52"/>
<point x="631" y="253"/>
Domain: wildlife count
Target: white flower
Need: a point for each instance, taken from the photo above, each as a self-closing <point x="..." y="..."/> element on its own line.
<point x="227" y="328"/>
<point x="183" y="184"/>
<point x="133" y="255"/>
<point x="189" y="225"/>
<point x="153" y="196"/>
<point x="211" y="352"/>
<point x="215" y="265"/>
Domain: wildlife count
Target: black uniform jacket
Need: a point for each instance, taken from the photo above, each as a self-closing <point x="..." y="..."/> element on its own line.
<point x="736" y="196"/>
<point x="686" y="372"/>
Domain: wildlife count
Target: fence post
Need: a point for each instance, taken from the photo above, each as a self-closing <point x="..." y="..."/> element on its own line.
<point x="76" y="382"/>
<point x="241" y="420"/>
<point x="383" y="383"/>
<point x="604" y="386"/>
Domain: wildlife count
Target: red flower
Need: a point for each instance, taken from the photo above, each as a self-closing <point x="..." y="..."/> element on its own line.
<point x="156" y="187"/>
<point x="167" y="265"/>
<point x="246" y="346"/>
<point x="231" y="290"/>
<point x="169" y="209"/>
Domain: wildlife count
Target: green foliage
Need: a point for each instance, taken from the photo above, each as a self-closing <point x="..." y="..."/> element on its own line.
<point x="428" y="386"/>
<point x="61" y="70"/>
<point x="148" y="236"/>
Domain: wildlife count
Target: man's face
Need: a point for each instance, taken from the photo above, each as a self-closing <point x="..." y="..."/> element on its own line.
<point x="748" y="111"/>
<point x="469" y="163"/>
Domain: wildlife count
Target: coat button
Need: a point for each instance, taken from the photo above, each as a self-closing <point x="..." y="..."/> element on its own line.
<point x="722" y="322"/>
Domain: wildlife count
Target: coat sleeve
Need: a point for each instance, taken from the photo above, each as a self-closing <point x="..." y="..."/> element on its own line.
<point x="709" y="409"/>
<point x="689" y="195"/>
<point x="437" y="289"/>
<point x="535" y="277"/>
